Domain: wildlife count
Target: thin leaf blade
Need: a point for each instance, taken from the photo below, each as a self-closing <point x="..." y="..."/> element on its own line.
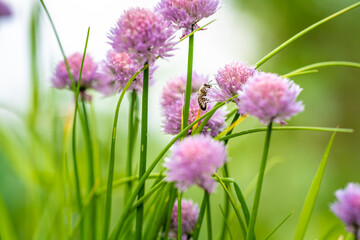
<point x="312" y="194"/>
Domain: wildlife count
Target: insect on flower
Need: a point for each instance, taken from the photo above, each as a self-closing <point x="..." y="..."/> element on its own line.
<point x="201" y="96"/>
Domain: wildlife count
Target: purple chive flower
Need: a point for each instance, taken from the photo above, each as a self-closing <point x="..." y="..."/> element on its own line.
<point x="175" y="89"/>
<point x="186" y="13"/>
<point x="90" y="77"/>
<point x="193" y="160"/>
<point x="120" y="68"/>
<point x="4" y="10"/>
<point x="230" y="80"/>
<point x="144" y="34"/>
<point x="270" y="98"/>
<point x="189" y="217"/>
<point x="172" y="105"/>
<point x="347" y="207"/>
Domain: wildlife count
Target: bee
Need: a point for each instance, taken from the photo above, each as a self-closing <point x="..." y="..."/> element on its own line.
<point x="201" y="96"/>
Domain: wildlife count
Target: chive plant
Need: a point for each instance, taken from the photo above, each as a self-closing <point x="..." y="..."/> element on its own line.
<point x="157" y="204"/>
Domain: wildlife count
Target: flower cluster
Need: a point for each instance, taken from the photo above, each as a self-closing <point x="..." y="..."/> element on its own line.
<point x="189" y="216"/>
<point x="172" y="106"/>
<point x="185" y="14"/>
<point x="119" y="67"/>
<point x="144" y="34"/>
<point x="270" y="98"/>
<point x="230" y="80"/>
<point x="90" y="77"/>
<point x="194" y="160"/>
<point x="347" y="207"/>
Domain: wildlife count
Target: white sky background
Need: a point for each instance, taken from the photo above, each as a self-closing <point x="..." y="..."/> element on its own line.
<point x="230" y="38"/>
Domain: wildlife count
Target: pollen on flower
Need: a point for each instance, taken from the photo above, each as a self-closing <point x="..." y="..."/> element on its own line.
<point x="194" y="160"/>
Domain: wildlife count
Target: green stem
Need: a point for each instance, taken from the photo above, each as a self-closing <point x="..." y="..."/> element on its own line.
<point x="119" y="225"/>
<point x="232" y="201"/>
<point x="73" y="87"/>
<point x="251" y="232"/>
<point x="203" y="123"/>
<point x="179" y="216"/>
<point x="148" y="194"/>
<point x="322" y="64"/>
<point x="131" y="140"/>
<point x="112" y="157"/>
<point x="226" y="174"/>
<point x="208" y="215"/>
<point x="201" y="216"/>
<point x="303" y="32"/>
<point x="143" y="150"/>
<point x="169" y="212"/>
<point x="263" y="129"/>
<point x="188" y="83"/>
<point x="91" y="174"/>
<point x="34" y="33"/>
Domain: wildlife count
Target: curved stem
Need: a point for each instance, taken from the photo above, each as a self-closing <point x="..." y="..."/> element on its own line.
<point x="251" y="232"/>
<point x="303" y="32"/>
<point x="143" y="150"/>
<point x="321" y="64"/>
<point x="188" y="83"/>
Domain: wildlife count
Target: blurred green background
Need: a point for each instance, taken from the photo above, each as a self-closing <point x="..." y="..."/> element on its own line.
<point x="36" y="193"/>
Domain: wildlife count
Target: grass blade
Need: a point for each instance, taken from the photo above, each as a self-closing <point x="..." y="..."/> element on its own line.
<point x="236" y="209"/>
<point x="312" y="195"/>
<point x="226" y="223"/>
<point x="242" y="201"/>
<point x="278" y="226"/>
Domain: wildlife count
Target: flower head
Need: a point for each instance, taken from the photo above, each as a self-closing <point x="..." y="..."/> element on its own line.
<point x="189" y="216"/>
<point x="143" y="34"/>
<point x="120" y="68"/>
<point x="174" y="89"/>
<point x="186" y="13"/>
<point x="90" y="77"/>
<point x="230" y="80"/>
<point x="347" y="206"/>
<point x="193" y="160"/>
<point x="4" y="10"/>
<point x="172" y="106"/>
<point x="270" y="98"/>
